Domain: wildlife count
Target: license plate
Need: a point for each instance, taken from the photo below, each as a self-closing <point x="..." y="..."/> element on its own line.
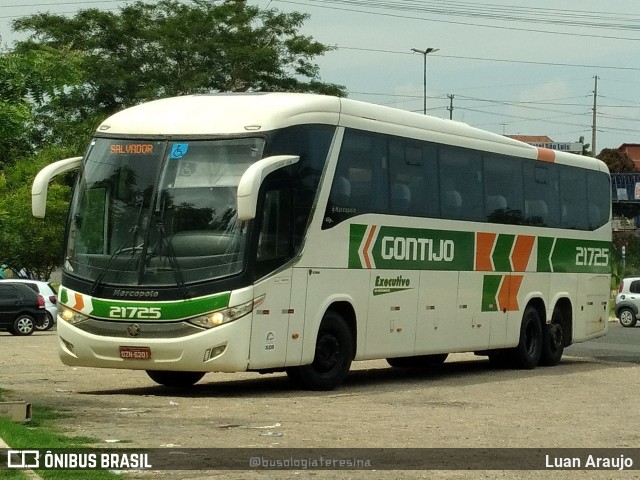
<point x="135" y="353"/>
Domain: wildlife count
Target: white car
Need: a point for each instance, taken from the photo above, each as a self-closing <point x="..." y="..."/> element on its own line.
<point x="50" y="299"/>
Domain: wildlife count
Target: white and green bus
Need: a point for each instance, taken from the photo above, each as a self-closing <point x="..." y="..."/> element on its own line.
<point x="298" y="233"/>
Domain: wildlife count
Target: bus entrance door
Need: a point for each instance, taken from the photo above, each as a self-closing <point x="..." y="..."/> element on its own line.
<point x="270" y="327"/>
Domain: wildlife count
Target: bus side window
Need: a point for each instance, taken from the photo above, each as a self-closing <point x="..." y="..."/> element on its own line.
<point x="274" y="240"/>
<point x="461" y="184"/>
<point x="573" y="198"/>
<point x="599" y="193"/>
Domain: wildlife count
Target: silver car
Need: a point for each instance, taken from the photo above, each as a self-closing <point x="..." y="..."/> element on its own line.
<point x="50" y="299"/>
<point x="628" y="301"/>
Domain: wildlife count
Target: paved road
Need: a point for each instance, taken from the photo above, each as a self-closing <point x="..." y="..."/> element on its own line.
<point x="619" y="345"/>
<point x="581" y="403"/>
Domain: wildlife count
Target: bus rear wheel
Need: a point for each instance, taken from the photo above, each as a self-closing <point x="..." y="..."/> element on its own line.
<point x="175" y="379"/>
<point x="527" y="354"/>
<point x="333" y="356"/>
<point x="552" y="347"/>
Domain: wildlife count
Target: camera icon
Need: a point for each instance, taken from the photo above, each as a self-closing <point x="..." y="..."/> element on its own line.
<point x="23" y="459"/>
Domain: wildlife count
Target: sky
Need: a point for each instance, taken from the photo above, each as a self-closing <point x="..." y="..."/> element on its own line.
<point x="514" y="67"/>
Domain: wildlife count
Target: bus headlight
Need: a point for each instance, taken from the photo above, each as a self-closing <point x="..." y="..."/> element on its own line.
<point x="213" y="319"/>
<point x="71" y="316"/>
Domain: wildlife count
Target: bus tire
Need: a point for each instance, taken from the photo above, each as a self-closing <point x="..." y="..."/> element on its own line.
<point x="552" y="347"/>
<point x="627" y="317"/>
<point x="527" y="354"/>
<point x="332" y="359"/>
<point x="419" y="361"/>
<point x="175" y="379"/>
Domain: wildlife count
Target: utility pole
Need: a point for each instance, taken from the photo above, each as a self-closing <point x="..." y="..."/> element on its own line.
<point x="450" y="108"/>
<point x="593" y="123"/>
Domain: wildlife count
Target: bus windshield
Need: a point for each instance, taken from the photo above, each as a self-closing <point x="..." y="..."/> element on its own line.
<point x="157" y="212"/>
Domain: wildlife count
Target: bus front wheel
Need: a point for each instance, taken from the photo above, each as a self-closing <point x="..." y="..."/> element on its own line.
<point x="175" y="379"/>
<point x="332" y="359"/>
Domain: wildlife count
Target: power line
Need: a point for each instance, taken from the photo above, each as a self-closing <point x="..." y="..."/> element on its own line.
<point x="485" y="59"/>
<point x="549" y="32"/>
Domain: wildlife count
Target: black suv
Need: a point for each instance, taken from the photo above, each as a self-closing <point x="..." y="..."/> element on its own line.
<point x="21" y="309"/>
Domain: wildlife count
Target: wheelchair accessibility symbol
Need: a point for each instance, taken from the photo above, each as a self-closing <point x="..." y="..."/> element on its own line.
<point x="179" y="150"/>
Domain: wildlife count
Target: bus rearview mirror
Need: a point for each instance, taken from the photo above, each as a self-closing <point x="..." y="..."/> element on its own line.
<point x="253" y="177"/>
<point x="40" y="185"/>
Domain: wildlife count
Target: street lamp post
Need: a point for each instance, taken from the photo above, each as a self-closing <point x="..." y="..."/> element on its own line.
<point x="424" y="53"/>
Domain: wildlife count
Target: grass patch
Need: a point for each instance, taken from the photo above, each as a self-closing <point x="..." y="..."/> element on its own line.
<point x="39" y="433"/>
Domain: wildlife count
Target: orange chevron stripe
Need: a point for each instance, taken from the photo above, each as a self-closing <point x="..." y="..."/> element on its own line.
<point x="522" y="252"/>
<point x="79" y="302"/>
<point x="508" y="294"/>
<point x="367" y="246"/>
<point x="484" y="246"/>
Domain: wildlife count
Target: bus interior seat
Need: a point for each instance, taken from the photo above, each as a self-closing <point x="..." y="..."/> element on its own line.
<point x="400" y="197"/>
<point x="452" y="202"/>
<point x="496" y="203"/>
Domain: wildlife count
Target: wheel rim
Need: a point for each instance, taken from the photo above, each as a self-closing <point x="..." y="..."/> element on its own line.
<point x="24" y="325"/>
<point x="46" y="323"/>
<point x="626" y="317"/>
<point x="327" y="353"/>
<point x="555" y="340"/>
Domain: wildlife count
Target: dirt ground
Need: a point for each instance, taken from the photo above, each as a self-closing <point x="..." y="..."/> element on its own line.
<point x="463" y="403"/>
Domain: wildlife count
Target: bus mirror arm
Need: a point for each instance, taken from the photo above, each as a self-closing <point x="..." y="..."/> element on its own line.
<point x="253" y="177"/>
<point x="40" y="185"/>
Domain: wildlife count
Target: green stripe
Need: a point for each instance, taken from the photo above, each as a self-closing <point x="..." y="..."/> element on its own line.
<point x="545" y="244"/>
<point x="170" y="311"/>
<point x="490" y="286"/>
<point x="502" y="253"/>
<point x="415" y="249"/>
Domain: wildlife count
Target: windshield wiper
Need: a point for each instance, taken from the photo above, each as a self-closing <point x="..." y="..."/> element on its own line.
<point x="171" y="257"/>
<point x="97" y="283"/>
<point x="122" y="248"/>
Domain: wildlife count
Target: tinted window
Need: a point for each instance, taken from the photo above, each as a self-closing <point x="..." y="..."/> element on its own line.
<point x="311" y="143"/>
<point x="413" y="175"/>
<point x="361" y="183"/>
<point x="573" y="198"/>
<point x="503" y="189"/>
<point x="599" y="194"/>
<point x="8" y="292"/>
<point x="461" y="189"/>
<point x="439" y="181"/>
<point x="541" y="196"/>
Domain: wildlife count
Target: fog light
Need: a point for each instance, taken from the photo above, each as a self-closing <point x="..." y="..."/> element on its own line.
<point x="211" y="353"/>
<point x="69" y="346"/>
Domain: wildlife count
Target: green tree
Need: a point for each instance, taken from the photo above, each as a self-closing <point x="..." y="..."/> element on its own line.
<point x="616" y="160"/>
<point x="585" y="147"/>
<point x="151" y="50"/>
<point x="28" y="82"/>
<point x="35" y="244"/>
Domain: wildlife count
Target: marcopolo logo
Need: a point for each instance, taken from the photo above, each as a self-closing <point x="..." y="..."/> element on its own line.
<point x="373" y="246"/>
